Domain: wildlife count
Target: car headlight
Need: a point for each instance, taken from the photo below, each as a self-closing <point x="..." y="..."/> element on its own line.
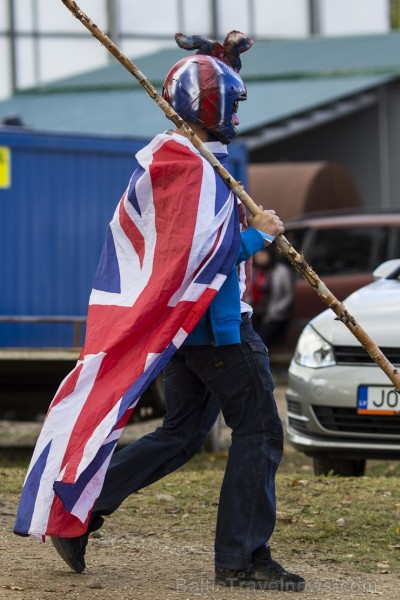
<point x="313" y="351"/>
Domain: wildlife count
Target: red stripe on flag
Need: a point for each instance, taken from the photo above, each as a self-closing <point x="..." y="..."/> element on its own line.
<point x="131" y="231"/>
<point x="194" y="314"/>
<point x="129" y="334"/>
<point x="62" y="524"/>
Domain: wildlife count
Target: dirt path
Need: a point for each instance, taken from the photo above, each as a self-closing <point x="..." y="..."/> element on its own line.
<point x="159" y="545"/>
<point x="153" y="554"/>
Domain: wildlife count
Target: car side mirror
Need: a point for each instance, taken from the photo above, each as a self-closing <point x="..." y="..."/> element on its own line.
<point x="386" y="269"/>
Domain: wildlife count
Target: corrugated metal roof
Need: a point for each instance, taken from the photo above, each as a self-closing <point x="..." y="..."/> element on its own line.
<point x="132" y="113"/>
<point x="373" y="53"/>
<point x="284" y="78"/>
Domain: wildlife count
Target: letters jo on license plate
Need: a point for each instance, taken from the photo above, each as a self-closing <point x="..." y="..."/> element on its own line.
<point x="379" y="400"/>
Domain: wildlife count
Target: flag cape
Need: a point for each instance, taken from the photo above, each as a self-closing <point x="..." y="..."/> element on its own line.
<point x="172" y="241"/>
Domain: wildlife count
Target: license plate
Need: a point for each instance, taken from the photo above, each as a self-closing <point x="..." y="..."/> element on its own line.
<point x="378" y="400"/>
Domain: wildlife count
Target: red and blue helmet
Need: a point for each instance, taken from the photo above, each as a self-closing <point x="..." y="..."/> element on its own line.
<point x="206" y="88"/>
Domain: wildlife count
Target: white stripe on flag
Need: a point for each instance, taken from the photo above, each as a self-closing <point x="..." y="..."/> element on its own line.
<point x="89" y="495"/>
<point x="59" y="424"/>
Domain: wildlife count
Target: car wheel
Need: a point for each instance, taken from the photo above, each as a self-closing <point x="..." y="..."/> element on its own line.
<point x="346" y="467"/>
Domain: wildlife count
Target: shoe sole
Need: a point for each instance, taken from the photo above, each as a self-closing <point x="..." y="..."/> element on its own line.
<point x="262" y="585"/>
<point x="77" y="567"/>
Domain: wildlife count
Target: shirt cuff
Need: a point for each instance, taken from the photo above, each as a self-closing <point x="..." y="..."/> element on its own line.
<point x="269" y="238"/>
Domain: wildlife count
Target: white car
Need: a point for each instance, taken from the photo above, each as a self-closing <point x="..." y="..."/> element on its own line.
<point x="341" y="407"/>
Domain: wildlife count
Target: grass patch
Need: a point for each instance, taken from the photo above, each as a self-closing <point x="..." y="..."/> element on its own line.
<point x="346" y="520"/>
<point x="11" y="480"/>
<point x="351" y="521"/>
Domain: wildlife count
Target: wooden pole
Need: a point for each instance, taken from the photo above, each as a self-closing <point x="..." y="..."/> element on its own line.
<point x="283" y="244"/>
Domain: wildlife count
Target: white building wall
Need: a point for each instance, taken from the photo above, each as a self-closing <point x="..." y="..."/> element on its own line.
<point x="352" y="17"/>
<point x="3" y="16"/>
<point x="55" y="53"/>
<point x="51" y="44"/>
<point x="5" y="68"/>
<point x="84" y="55"/>
<point x="5" y="56"/>
<point x="25" y="63"/>
<point x="53" y="16"/>
<point x="265" y="18"/>
<point x="233" y="15"/>
<point x="196" y="20"/>
<point x="149" y="16"/>
<point x="24" y="15"/>
<point x="286" y="18"/>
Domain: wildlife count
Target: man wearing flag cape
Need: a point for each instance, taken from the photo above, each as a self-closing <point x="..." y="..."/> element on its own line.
<point x="167" y="295"/>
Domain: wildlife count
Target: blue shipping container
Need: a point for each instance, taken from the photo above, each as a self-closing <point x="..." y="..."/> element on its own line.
<point x="57" y="195"/>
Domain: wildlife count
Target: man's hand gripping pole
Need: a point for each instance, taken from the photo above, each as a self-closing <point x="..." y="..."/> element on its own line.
<point x="283" y="244"/>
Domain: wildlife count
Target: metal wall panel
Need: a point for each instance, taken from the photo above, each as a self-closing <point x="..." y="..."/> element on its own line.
<point x="61" y="194"/>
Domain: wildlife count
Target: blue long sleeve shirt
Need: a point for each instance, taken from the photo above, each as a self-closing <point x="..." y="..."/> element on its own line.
<point x="220" y="324"/>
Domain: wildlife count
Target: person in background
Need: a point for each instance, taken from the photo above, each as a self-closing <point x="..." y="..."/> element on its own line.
<point x="271" y="296"/>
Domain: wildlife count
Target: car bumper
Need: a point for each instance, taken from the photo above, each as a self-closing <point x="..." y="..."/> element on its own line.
<point x="322" y="413"/>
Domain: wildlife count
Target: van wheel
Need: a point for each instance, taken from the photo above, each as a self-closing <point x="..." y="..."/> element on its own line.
<point x="345" y="467"/>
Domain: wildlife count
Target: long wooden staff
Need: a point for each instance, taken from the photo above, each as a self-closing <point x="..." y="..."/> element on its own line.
<point x="283" y="244"/>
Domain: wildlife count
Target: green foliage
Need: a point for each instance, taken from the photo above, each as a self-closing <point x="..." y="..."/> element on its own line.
<point x="395" y="14"/>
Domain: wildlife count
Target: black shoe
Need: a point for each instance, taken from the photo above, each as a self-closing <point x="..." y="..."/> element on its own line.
<point x="261" y="576"/>
<point x="72" y="550"/>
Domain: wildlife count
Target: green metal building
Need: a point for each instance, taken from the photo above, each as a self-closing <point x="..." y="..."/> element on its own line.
<point x="315" y="99"/>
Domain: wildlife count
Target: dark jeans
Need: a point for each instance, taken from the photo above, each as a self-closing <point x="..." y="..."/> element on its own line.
<point x="199" y="381"/>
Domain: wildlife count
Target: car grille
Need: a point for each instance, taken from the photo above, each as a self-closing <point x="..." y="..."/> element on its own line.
<point x="294" y="407"/>
<point x="300" y="426"/>
<point x="347" y="419"/>
<point x="347" y="355"/>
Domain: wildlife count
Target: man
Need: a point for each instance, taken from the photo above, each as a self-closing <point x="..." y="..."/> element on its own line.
<point x="222" y="365"/>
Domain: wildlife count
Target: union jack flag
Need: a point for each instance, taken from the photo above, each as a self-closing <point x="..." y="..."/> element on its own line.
<point x="172" y="241"/>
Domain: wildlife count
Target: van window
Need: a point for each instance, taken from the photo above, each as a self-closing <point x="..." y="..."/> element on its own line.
<point x="347" y="250"/>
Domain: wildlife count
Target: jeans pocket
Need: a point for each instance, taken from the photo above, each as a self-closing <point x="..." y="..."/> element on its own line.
<point x="261" y="357"/>
<point x="213" y="363"/>
<point x="256" y="344"/>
